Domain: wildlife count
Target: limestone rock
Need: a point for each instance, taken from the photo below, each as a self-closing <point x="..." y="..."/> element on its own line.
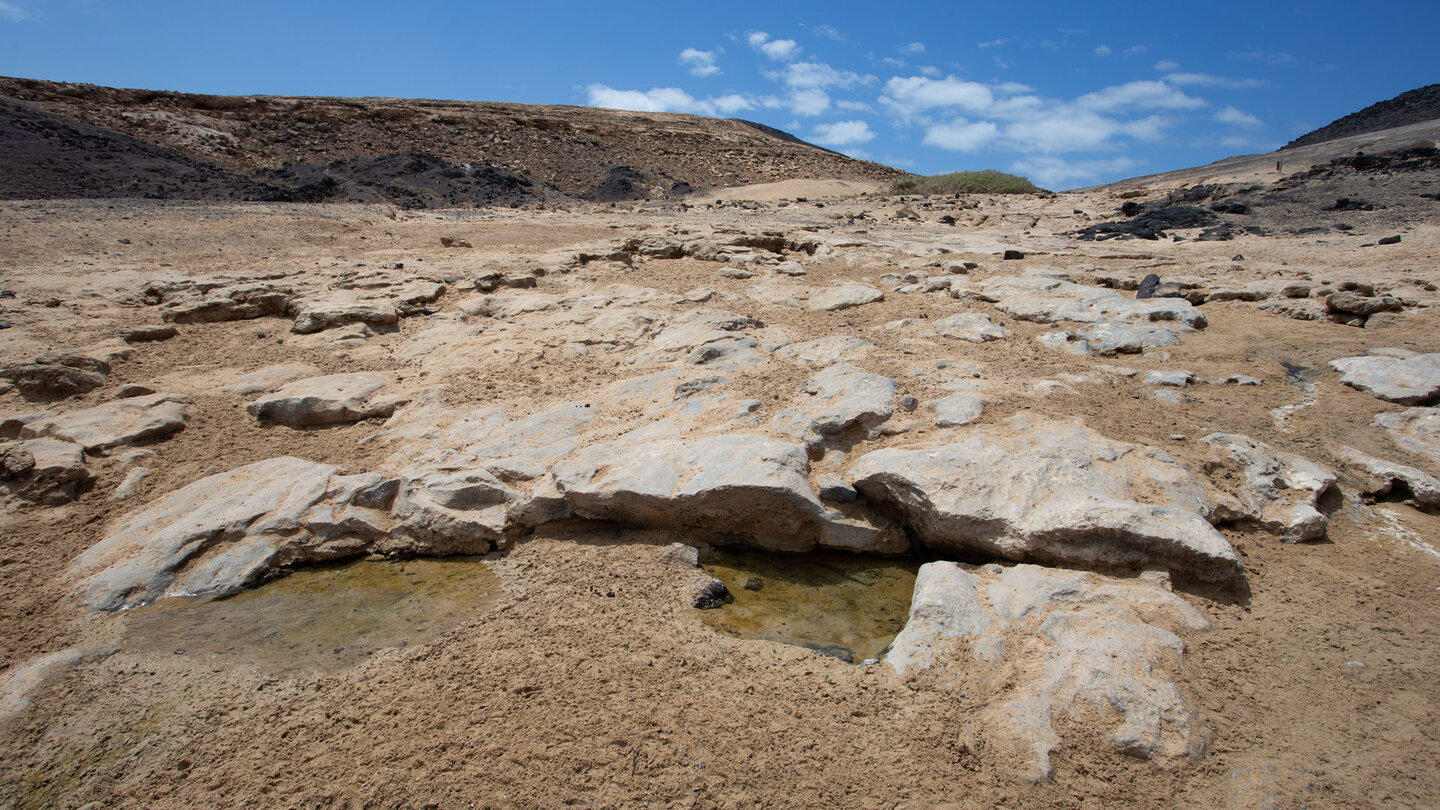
<point x="822" y="352"/>
<point x="837" y="399"/>
<point x="314" y="315"/>
<point x="1280" y="491"/>
<point x="122" y="422"/>
<point x="747" y="487"/>
<point x="329" y="400"/>
<point x="1414" y="429"/>
<point x="228" y="531"/>
<point x="227" y="303"/>
<point x="970" y="326"/>
<point x="957" y="409"/>
<point x="1056" y="644"/>
<point x="1053" y="494"/>
<point x="267" y="378"/>
<point x="45" y="471"/>
<point x="845" y="296"/>
<point x="1409" y="381"/>
<point x="57" y="375"/>
<point x="1388" y="479"/>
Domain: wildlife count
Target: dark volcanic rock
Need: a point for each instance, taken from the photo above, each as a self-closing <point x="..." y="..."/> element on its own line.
<point x="408" y="181"/>
<point x="1412" y="107"/>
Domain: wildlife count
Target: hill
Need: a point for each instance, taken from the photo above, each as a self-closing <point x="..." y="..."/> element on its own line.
<point x="1413" y="107"/>
<point x="595" y="154"/>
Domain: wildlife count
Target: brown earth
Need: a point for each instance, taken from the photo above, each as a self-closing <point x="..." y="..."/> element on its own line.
<point x="592" y="683"/>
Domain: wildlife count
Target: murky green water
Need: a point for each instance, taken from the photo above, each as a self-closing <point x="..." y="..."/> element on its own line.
<point x="323" y="618"/>
<point x="846" y="605"/>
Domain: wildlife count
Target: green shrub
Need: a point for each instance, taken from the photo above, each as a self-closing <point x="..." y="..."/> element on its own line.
<point x="988" y="181"/>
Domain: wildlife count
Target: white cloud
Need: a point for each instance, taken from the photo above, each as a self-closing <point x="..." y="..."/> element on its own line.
<point x="701" y="63"/>
<point x="994" y="43"/>
<point x="1138" y="95"/>
<point x="854" y="106"/>
<point x="828" y="32"/>
<point x="910" y="96"/>
<point x="913" y="49"/>
<point x="666" y="99"/>
<point x="1056" y="173"/>
<point x="817" y="75"/>
<point x="929" y="71"/>
<point x="1237" y="117"/>
<point x="808" y="102"/>
<point x="1268" y="57"/>
<point x="961" y="135"/>
<point x="777" y="49"/>
<point x="15" y="13"/>
<point x="1166" y="65"/>
<point x="1102" y="50"/>
<point x="1205" y="79"/>
<point x="843" y="133"/>
<point x="1135" y="50"/>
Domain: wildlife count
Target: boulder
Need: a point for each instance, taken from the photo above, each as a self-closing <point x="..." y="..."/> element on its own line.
<point x="226" y="303"/>
<point x="970" y="326"/>
<point x="45" y="471"/>
<point x="329" y="400"/>
<point x="228" y="531"/>
<point x="1279" y="491"/>
<point x="1408" y="381"/>
<point x="122" y="422"/>
<point x="1053" y="644"/>
<point x="1054" y="494"/>
<point x="57" y="375"/>
<point x="314" y="315"/>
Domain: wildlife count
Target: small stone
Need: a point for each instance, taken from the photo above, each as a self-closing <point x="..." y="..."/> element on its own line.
<point x="754" y="583"/>
<point x="1176" y="379"/>
<point x="1390" y="240"/>
<point x="145" y="334"/>
<point x="833" y="488"/>
<point x="1013" y="255"/>
<point x="709" y="593"/>
<point x="133" y="390"/>
<point x="1147" y="287"/>
<point x="909" y="403"/>
<point x="453" y="242"/>
<point x="681" y="555"/>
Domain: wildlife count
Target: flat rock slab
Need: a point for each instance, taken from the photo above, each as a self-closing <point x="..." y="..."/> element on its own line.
<point x="329" y="400"/>
<point x="1416" y="430"/>
<point x="957" y="409"/>
<point x="822" y="352"/>
<point x="1053" y="494"/>
<point x="228" y="531"/>
<point x="743" y="486"/>
<point x="974" y="327"/>
<point x="237" y="302"/>
<point x="1407" y="381"/>
<point x="57" y="375"/>
<point x="122" y="422"/>
<point x="1052" y="644"/>
<point x="845" y="296"/>
<point x="314" y="315"/>
<point x="267" y="378"/>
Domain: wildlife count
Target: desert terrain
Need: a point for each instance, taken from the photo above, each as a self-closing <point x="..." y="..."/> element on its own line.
<point x="1175" y="542"/>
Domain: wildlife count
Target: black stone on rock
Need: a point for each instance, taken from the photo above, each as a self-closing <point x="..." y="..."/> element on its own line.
<point x="1013" y="254"/>
<point x="1147" y="286"/>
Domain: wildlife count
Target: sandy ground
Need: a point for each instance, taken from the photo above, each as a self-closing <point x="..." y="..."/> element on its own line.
<point x="592" y="683"/>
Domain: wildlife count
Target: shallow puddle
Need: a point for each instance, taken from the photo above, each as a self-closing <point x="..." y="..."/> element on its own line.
<point x="324" y="618"/>
<point x="845" y="605"/>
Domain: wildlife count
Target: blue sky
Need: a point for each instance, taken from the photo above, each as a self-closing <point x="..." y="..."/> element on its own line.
<point x="1068" y="94"/>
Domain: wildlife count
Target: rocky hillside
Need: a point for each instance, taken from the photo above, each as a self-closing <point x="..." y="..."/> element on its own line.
<point x="600" y="155"/>
<point x="1413" y="107"/>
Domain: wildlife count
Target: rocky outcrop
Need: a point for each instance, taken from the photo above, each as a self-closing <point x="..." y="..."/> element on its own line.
<point x="1389" y="480"/>
<point x="44" y="471"/>
<point x="1407" y="381"/>
<point x="56" y="375"/>
<point x="122" y="422"/>
<point x="227" y="531"/>
<point x="1279" y="491"/>
<point x="1414" y="429"/>
<point x="837" y="400"/>
<point x="1052" y="494"/>
<point x="329" y="400"/>
<point x="1053" y="645"/>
